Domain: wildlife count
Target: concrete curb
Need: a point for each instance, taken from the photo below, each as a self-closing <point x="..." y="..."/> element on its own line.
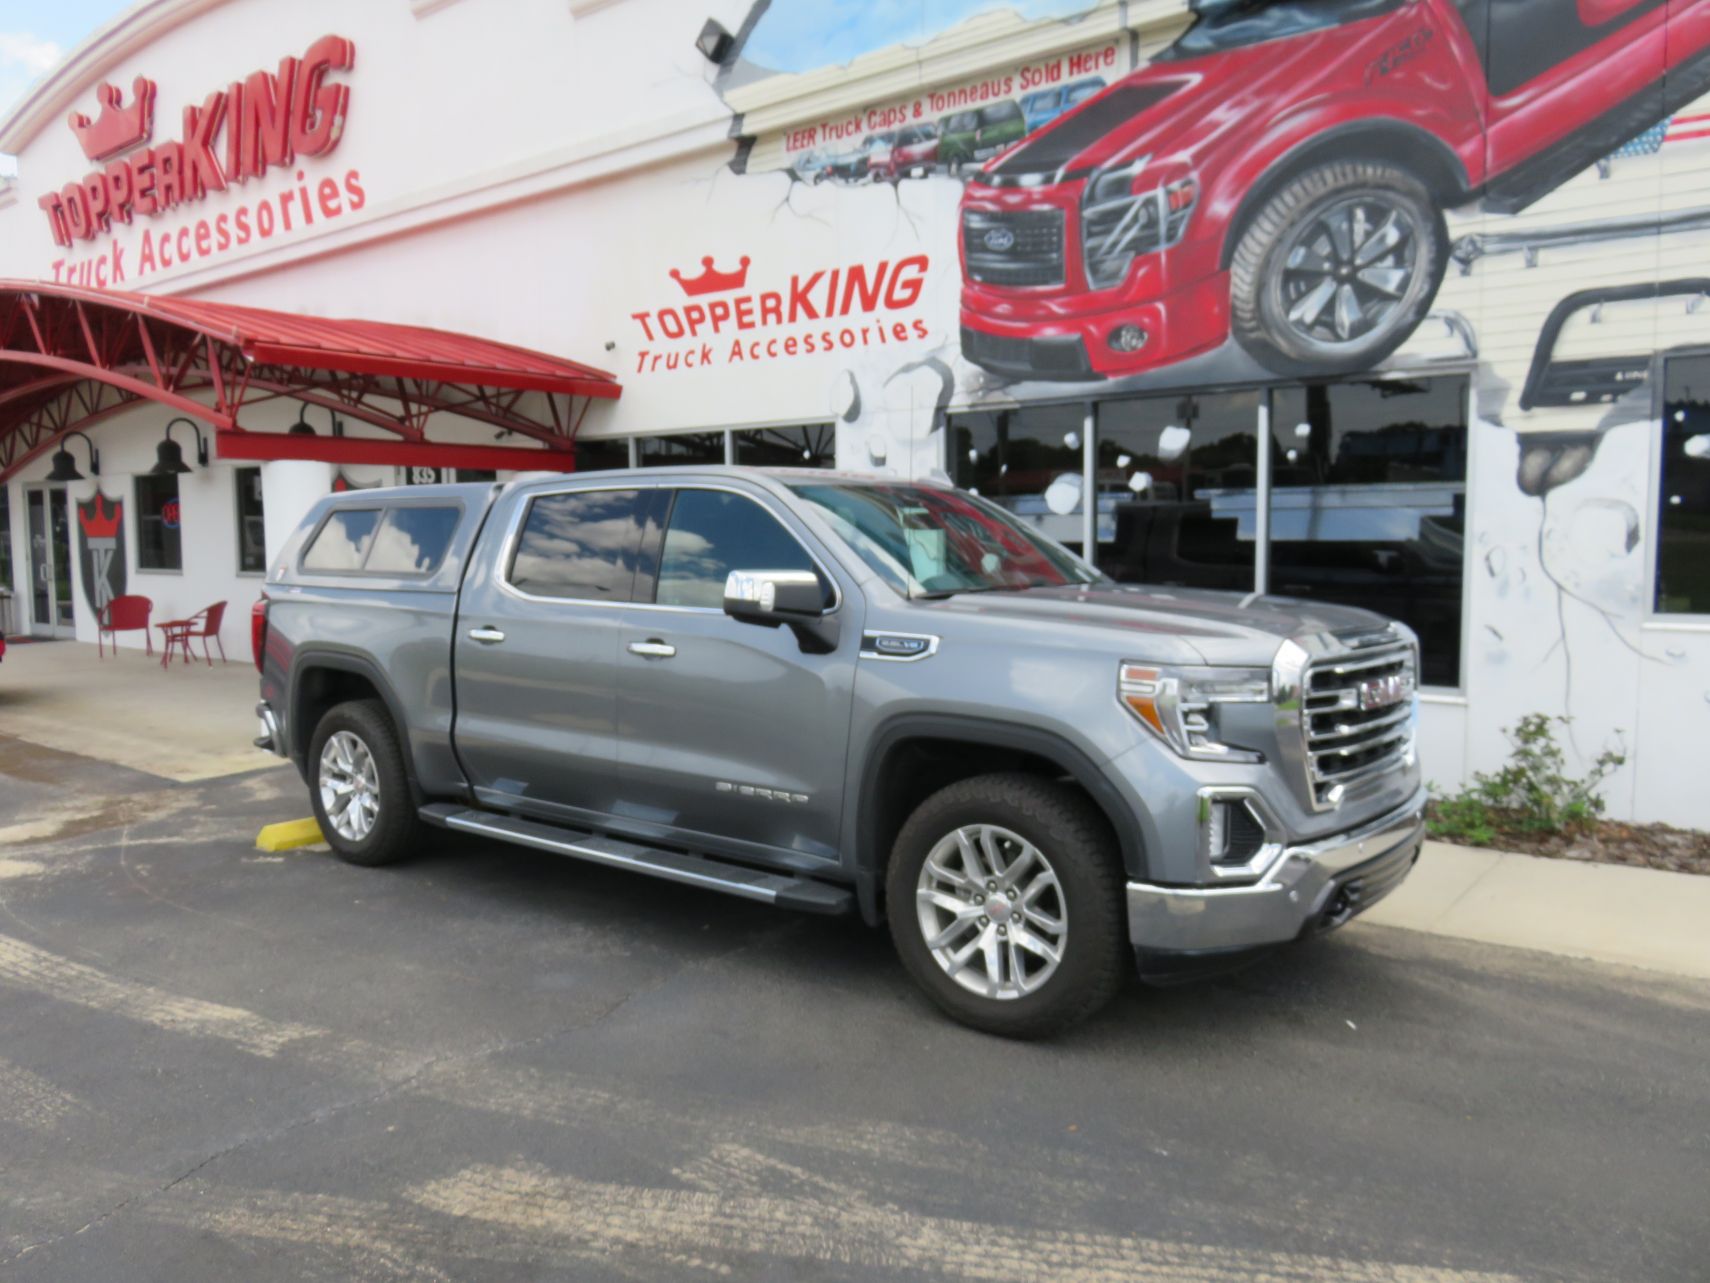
<point x="1603" y="912"/>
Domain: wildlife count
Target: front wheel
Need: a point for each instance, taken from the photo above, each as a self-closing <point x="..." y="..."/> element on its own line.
<point x="359" y="787"/>
<point x="1005" y="901"/>
<point x="1337" y="269"/>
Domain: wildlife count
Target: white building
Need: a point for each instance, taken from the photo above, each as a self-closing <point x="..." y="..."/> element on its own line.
<point x="1369" y="305"/>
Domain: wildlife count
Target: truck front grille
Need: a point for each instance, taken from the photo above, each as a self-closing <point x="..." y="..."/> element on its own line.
<point x="1357" y="715"/>
<point x="1013" y="247"/>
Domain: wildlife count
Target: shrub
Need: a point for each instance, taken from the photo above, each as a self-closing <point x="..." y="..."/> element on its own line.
<point x="1532" y="794"/>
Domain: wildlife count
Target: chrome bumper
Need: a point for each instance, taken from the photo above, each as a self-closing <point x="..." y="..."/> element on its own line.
<point x="269" y="737"/>
<point x="1320" y="883"/>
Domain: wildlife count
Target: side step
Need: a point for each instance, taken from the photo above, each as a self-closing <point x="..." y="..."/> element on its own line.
<point x="781" y="889"/>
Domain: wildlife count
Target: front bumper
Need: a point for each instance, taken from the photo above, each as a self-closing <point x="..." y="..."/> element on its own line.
<point x="1312" y="887"/>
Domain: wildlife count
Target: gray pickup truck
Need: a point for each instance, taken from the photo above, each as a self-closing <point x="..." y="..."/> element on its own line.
<point x="847" y="694"/>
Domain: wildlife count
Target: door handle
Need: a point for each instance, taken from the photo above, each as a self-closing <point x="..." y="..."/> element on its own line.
<point x="653" y="649"/>
<point x="486" y="635"/>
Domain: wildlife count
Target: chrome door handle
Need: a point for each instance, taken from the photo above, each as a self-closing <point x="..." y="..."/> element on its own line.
<point x="653" y="649"/>
<point x="487" y="635"/>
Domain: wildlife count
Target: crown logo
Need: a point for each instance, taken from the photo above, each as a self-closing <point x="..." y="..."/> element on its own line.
<point x="712" y="281"/>
<point x="96" y="523"/>
<point x="119" y="128"/>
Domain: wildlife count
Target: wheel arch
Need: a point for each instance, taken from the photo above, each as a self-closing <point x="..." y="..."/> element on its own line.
<point x="322" y="679"/>
<point x="1390" y="141"/>
<point x="913" y="755"/>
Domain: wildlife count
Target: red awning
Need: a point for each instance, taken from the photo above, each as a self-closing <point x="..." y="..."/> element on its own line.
<point x="71" y="357"/>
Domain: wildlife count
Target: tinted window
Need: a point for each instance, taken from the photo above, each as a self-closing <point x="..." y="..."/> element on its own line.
<point x="1368" y="504"/>
<point x="712" y="533"/>
<point x="343" y="541"/>
<point x="580" y="544"/>
<point x="683" y="447"/>
<point x="809" y="447"/>
<point x="412" y="541"/>
<point x="1027" y="460"/>
<point x="1683" y="516"/>
<point x="1055" y="147"/>
<point x="1000" y="113"/>
<point x="251" y="525"/>
<point x="160" y="536"/>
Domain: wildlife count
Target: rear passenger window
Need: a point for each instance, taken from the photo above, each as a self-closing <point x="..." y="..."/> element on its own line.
<point x="412" y="541"/>
<point x="714" y="532"/>
<point x="580" y="544"/>
<point x="342" y="541"/>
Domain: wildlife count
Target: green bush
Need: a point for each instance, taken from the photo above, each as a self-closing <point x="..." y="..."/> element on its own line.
<point x="1532" y="794"/>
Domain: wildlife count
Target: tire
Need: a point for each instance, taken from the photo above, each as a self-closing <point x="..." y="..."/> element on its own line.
<point x="1071" y="842"/>
<point x="1319" y="285"/>
<point x="345" y="734"/>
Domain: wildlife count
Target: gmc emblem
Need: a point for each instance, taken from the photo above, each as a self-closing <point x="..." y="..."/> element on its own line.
<point x="1383" y="692"/>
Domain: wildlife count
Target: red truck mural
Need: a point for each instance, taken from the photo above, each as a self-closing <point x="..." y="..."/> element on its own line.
<point x="1279" y="175"/>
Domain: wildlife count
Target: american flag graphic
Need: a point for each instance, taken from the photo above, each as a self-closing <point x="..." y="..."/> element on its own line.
<point x="1676" y="129"/>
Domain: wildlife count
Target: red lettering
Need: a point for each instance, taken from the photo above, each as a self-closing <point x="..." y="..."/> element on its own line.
<point x="745" y="312"/>
<point x="143" y="176"/>
<point x="76" y="211"/>
<point x="119" y="190"/>
<point x="168" y="175"/>
<point x="118" y="262"/>
<point x="145" y="260"/>
<point x="718" y="312"/>
<point x="53" y="205"/>
<point x="696" y="316"/>
<point x="201" y="167"/>
<point x="771" y="308"/>
<point x="95" y="196"/>
<point x="241" y="220"/>
<point x="204" y="238"/>
<point x="328" y="195"/>
<point x="285" y="209"/>
<point x="222" y="232"/>
<point x="646" y="329"/>
<point x="317" y="120"/>
<point x="264" y="125"/>
<point x="165" y="248"/>
<point x="264" y="219"/>
<point x="855" y="282"/>
<point x="670" y="324"/>
<point x="184" y="244"/>
<point x="353" y="189"/>
<point x="800" y="304"/>
<point x="907" y="280"/>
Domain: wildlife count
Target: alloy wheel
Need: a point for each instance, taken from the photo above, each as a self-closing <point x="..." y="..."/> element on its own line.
<point x="992" y="912"/>
<point x="1348" y="272"/>
<point x="349" y="784"/>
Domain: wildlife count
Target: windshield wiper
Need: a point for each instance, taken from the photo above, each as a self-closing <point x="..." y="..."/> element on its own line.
<point x="939" y="594"/>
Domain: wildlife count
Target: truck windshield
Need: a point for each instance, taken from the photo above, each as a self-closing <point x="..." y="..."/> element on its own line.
<point x="1229" y="24"/>
<point x="929" y="541"/>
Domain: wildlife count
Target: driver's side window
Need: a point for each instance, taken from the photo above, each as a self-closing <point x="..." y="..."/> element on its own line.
<point x="713" y="532"/>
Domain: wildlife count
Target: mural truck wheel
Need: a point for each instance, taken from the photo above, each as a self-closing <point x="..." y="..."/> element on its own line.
<point x="1337" y="268"/>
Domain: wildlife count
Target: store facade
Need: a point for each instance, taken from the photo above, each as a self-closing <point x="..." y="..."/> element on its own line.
<point x="1383" y="301"/>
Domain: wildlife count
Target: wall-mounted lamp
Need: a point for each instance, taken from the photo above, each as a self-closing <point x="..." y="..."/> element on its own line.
<point x="714" y="42"/>
<point x="169" y="455"/>
<point x="65" y="469"/>
<point x="303" y="428"/>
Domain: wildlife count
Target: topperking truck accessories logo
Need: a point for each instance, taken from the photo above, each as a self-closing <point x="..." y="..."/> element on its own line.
<point x="726" y="322"/>
<point x="268" y="120"/>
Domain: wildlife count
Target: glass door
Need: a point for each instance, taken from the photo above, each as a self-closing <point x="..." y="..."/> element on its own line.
<point x="49" y="524"/>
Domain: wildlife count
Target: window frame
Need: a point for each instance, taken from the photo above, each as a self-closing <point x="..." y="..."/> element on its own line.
<point x="384" y="508"/>
<point x="513" y="534"/>
<point x="238" y="515"/>
<point x="137" y="518"/>
<point x="1677" y="621"/>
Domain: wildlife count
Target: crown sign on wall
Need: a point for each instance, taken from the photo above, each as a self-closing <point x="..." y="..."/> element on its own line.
<point x="119" y="127"/>
<point x="96" y="522"/>
<point x="712" y="281"/>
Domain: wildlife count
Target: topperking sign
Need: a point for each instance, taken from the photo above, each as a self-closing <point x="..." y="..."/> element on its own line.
<point x="269" y="120"/>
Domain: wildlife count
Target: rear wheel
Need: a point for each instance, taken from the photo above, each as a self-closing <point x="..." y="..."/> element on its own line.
<point x="1337" y="269"/>
<point x="359" y="787"/>
<point x="1005" y="904"/>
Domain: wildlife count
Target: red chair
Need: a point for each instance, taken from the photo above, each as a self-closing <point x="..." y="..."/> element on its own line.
<point x="203" y="624"/>
<point x="123" y="615"/>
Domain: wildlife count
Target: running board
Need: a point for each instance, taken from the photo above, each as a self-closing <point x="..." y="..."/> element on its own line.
<point x="781" y="889"/>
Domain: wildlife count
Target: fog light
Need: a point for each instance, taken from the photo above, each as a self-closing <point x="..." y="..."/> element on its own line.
<point x="1126" y="338"/>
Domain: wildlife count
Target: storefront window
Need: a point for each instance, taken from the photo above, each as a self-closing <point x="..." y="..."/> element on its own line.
<point x="251" y="530"/>
<point x="5" y="538"/>
<point x="814" y="446"/>
<point x="1368" y="504"/>
<point x="601" y="454"/>
<point x="1176" y="490"/>
<point x="683" y="448"/>
<point x="1028" y="460"/>
<point x="159" y="536"/>
<point x="1683" y="491"/>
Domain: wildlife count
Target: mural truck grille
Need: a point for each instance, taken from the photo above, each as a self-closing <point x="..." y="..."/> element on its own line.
<point x="1357" y="715"/>
<point x="1013" y="247"/>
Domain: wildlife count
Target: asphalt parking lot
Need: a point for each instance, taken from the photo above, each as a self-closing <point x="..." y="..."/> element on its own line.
<point x="491" y="1063"/>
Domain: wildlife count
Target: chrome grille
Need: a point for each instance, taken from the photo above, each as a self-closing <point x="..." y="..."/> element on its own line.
<point x="1357" y="714"/>
<point x="1014" y="247"/>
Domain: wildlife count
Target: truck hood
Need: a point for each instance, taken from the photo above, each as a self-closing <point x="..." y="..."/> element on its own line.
<point x="1217" y="627"/>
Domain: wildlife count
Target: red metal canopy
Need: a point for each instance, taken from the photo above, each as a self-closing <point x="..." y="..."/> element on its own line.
<point x="71" y="358"/>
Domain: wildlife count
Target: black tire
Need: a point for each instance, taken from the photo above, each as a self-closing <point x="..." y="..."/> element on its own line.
<point x="396" y="831"/>
<point x="1263" y="289"/>
<point x="1072" y="836"/>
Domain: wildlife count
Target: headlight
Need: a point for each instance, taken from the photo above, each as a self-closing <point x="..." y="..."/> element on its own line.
<point x="1126" y="212"/>
<point x="1180" y="705"/>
